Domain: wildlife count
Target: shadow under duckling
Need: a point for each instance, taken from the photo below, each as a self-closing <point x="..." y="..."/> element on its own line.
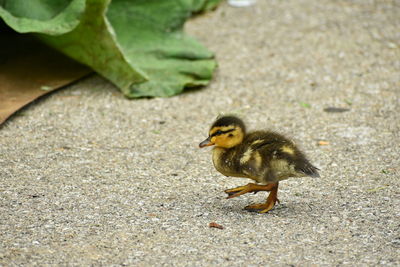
<point x="263" y="156"/>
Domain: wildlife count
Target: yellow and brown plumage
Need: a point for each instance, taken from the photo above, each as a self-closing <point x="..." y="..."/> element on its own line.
<point x="263" y="156"/>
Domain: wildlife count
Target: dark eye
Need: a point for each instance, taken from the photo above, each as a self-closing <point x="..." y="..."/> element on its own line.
<point x="218" y="132"/>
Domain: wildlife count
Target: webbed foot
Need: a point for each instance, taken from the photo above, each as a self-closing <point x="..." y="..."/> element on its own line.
<point x="268" y="205"/>
<point x="249" y="188"/>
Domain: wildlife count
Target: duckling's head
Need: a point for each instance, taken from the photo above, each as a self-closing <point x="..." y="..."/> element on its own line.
<point x="226" y="132"/>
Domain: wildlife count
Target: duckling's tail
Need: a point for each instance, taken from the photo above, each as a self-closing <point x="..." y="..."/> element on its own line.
<point x="310" y="170"/>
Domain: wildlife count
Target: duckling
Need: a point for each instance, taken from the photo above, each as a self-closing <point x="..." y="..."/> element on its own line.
<point x="263" y="156"/>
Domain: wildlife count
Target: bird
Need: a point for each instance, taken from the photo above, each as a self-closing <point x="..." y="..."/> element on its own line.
<point x="265" y="156"/>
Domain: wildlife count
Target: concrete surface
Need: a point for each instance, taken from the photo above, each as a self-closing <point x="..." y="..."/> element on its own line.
<point x="91" y="178"/>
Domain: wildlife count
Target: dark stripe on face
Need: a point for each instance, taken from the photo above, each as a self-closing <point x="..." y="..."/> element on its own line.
<point x="219" y="132"/>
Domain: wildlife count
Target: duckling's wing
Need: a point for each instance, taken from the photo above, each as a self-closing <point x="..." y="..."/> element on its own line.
<point x="260" y="144"/>
<point x="259" y="140"/>
<point x="276" y="145"/>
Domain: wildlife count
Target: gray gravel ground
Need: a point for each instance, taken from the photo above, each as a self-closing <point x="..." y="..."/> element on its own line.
<point x="91" y="178"/>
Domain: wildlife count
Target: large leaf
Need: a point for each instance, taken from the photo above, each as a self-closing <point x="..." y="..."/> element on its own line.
<point x="139" y="45"/>
<point x="150" y="34"/>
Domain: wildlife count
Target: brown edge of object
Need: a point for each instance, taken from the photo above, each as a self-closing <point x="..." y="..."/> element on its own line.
<point x="29" y="70"/>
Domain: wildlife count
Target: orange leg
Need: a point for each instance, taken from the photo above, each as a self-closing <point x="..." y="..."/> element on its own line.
<point x="249" y="188"/>
<point x="269" y="204"/>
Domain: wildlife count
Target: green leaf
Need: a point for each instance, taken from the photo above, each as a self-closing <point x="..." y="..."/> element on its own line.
<point x="305" y="105"/>
<point x="348" y="102"/>
<point x="139" y="45"/>
<point x="150" y="34"/>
